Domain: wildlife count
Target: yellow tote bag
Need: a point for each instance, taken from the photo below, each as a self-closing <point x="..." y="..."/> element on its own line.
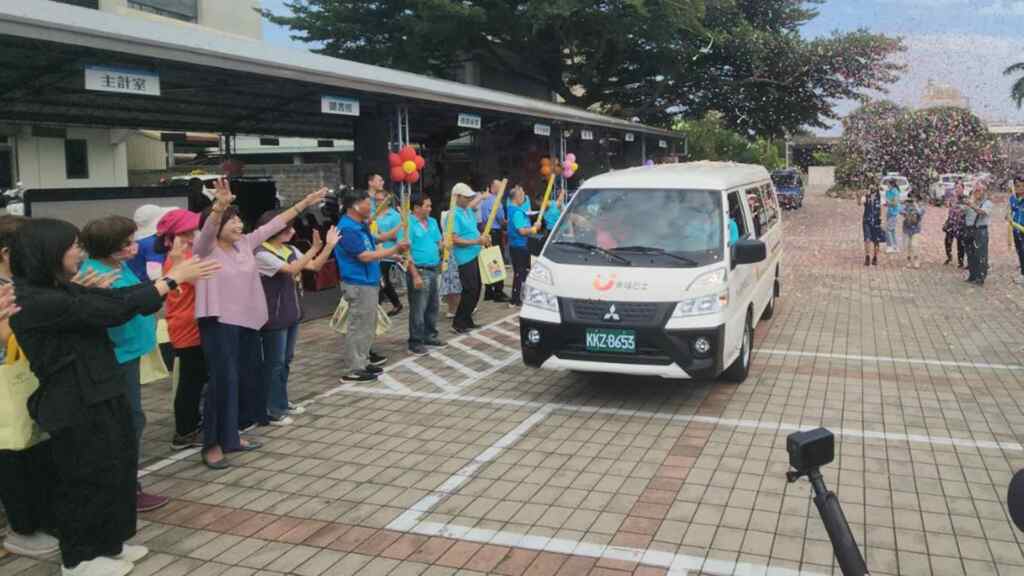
<point x="492" y="265"/>
<point x="17" y="382"/>
<point x="339" y="320"/>
<point x="152" y="367"/>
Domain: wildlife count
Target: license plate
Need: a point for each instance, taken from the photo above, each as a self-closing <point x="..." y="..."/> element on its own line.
<point x="621" y="341"/>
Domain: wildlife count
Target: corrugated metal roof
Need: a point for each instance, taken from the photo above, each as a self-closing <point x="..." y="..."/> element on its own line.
<point x="50" y="21"/>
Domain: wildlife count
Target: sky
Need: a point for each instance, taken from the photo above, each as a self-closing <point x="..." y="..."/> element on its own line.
<point x="963" y="43"/>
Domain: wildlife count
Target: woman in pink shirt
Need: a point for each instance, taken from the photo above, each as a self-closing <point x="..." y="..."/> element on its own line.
<point x="231" y="308"/>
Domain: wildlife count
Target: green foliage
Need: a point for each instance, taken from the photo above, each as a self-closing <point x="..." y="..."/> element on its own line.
<point x="655" y="60"/>
<point x="1017" y="92"/>
<point x="709" y="139"/>
<point x="822" y="158"/>
<point x="883" y="137"/>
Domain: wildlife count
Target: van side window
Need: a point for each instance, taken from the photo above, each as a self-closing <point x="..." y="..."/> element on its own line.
<point x="736" y="214"/>
<point x="756" y="210"/>
<point x="764" y="208"/>
<point x="771" y="206"/>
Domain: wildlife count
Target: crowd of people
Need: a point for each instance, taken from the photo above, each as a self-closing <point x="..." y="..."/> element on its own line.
<point x="83" y="306"/>
<point x="968" y="218"/>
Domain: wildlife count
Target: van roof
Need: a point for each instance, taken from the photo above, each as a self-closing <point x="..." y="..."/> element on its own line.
<point x="703" y="175"/>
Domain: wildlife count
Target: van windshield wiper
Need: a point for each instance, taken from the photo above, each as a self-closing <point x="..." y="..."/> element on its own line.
<point x="593" y="248"/>
<point x="658" y="251"/>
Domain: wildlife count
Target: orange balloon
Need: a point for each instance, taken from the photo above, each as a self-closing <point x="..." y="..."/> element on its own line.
<point x="409" y="166"/>
<point x="545" y="161"/>
<point x="408" y="153"/>
<point x="412" y="177"/>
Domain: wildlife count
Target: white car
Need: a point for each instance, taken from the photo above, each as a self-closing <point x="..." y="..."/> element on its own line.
<point x="945" y="184"/>
<point x="660" y="271"/>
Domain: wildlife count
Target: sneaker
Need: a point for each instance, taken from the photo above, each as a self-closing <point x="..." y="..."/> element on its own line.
<point x="418" y="350"/>
<point x="132" y="553"/>
<point x="295" y="409"/>
<point x="101" y="566"/>
<point x="395" y="311"/>
<point x="435" y="343"/>
<point x="449" y="315"/>
<point x="867" y="260"/>
<point x="461" y="330"/>
<point x="359" y="376"/>
<point x="149" y="502"/>
<point x="39" y="545"/>
<point x="281" y="421"/>
<point x="377" y="359"/>
<point x="874" y="261"/>
<point x="500" y="298"/>
<point x="374" y="369"/>
<point x="190" y="440"/>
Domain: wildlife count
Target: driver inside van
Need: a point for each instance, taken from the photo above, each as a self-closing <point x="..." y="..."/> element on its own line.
<point x="701" y="231"/>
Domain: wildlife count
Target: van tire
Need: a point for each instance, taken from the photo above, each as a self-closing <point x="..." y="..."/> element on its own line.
<point x="740" y="368"/>
<point x="769" y="310"/>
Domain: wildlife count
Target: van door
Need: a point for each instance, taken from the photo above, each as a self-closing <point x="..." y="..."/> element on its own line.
<point x="768" y="228"/>
<point x="741" y="278"/>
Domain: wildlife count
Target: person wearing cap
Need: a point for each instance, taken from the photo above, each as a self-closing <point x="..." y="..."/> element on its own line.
<point x="467" y="243"/>
<point x="1016" y="216"/>
<point x="175" y="233"/>
<point x="359" y="260"/>
<point x="148" y="263"/>
<point x="280" y="264"/>
<point x="110" y="243"/>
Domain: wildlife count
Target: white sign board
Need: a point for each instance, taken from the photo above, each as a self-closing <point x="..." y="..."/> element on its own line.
<point x="542" y="130"/>
<point x="122" y="80"/>
<point x="339" y="105"/>
<point x="630" y="137"/>
<point x="586" y="134"/>
<point x="473" y="121"/>
<point x="662" y="144"/>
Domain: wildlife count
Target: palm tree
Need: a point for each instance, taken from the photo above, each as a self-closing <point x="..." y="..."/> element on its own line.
<point x="1017" y="92"/>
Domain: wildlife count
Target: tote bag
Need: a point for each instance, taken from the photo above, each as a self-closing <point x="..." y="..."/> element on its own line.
<point x="339" y="320"/>
<point x="152" y="367"/>
<point x="17" y="382"/>
<point x="492" y="265"/>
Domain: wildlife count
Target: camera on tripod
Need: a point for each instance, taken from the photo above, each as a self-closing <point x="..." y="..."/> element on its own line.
<point x="808" y="452"/>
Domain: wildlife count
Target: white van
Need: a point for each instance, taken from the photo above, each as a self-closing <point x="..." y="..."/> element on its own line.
<point x="657" y="271"/>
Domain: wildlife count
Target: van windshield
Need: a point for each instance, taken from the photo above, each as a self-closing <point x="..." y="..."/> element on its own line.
<point x="650" y="228"/>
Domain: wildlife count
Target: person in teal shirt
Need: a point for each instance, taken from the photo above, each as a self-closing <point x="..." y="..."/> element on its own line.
<point x="388" y="222"/>
<point x="110" y="244"/>
<point x="519" y="230"/>
<point x="467" y="243"/>
<point x="423" y="276"/>
<point x="554" y="212"/>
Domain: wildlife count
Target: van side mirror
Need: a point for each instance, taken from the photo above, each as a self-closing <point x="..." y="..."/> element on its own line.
<point x="746" y="251"/>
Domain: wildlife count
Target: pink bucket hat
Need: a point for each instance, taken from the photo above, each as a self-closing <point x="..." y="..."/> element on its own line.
<point x="177" y="221"/>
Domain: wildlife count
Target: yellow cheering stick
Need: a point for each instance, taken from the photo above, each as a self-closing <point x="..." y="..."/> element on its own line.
<point x="544" y="203"/>
<point x="448" y="233"/>
<point x="495" y="207"/>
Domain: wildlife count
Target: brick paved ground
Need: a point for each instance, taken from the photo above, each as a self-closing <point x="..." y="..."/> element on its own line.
<point x="469" y="463"/>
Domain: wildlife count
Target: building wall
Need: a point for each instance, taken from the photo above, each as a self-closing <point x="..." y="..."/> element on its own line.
<point x="231" y="16"/>
<point x="41" y="160"/>
<point x="146" y="153"/>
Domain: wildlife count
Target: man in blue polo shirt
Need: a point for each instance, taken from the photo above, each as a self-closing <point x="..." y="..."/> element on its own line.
<point x="467" y="243"/>
<point x="1016" y="216"/>
<point x="359" y="264"/>
<point x="423" y="276"/>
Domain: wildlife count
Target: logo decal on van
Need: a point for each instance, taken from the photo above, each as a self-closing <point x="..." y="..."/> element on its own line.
<point x="612" y="315"/>
<point x="601" y="286"/>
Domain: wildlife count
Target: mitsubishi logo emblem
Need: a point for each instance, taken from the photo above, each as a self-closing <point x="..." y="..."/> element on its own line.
<point x="612" y="315"/>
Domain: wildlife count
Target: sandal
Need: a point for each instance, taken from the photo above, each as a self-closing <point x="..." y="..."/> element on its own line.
<point x="218" y="465"/>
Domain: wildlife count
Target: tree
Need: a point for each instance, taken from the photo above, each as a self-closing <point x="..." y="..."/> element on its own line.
<point x="709" y="139"/>
<point x="882" y="137"/>
<point x="1017" y="92"/>
<point x="654" y="60"/>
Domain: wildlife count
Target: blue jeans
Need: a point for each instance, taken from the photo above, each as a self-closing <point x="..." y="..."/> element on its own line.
<point x="423" y="307"/>
<point x="278" y="350"/>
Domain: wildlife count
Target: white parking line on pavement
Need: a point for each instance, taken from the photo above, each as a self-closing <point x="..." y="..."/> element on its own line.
<point x="490" y="342"/>
<point x="469" y="372"/>
<point x="472" y="351"/>
<point x="503" y="331"/>
<point x="891" y="360"/>
<point x="429" y="376"/>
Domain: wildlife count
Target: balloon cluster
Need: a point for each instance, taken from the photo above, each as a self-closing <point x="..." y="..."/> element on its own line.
<point x="567" y="167"/>
<point x="406" y="165"/>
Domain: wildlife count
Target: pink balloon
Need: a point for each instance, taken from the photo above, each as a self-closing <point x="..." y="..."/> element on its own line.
<point x="570" y="158"/>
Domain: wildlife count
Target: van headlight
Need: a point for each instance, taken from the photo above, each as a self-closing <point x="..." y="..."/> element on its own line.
<point x="540" y="274"/>
<point x="539" y="299"/>
<point x="710" y="304"/>
<point x="709" y="281"/>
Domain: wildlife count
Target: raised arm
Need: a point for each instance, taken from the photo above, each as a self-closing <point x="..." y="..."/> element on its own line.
<point x="207" y="239"/>
<point x="332" y="240"/>
<point x="268" y="230"/>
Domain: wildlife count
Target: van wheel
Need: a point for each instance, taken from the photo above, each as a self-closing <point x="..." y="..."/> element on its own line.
<point x="739" y="369"/>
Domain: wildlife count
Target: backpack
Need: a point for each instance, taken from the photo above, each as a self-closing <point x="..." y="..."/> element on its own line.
<point x="912" y="216"/>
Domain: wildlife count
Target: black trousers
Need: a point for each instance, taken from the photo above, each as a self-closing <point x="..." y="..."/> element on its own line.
<point x="469" y="276"/>
<point x="388" y="292"/>
<point x="496" y="290"/>
<point x="969" y="250"/>
<point x="950" y="237"/>
<point x="978" y="258"/>
<point x="192" y="377"/>
<point x="27" y="481"/>
<point x="1018" y="243"/>
<point x="96" y="465"/>
<point x="520" y="270"/>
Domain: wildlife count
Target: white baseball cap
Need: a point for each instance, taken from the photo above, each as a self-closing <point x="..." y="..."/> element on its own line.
<point x="146" y="218"/>
<point x="463" y="190"/>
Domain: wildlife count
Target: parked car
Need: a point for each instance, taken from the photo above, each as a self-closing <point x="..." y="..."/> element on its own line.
<point x="790" y="188"/>
<point x="945" y="184"/>
<point x="901" y="182"/>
